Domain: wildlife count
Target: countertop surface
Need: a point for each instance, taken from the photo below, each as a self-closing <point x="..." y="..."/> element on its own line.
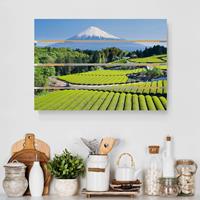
<point x="82" y="197"/>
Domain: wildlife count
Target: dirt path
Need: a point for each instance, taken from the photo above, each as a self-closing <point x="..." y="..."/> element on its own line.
<point x="54" y="82"/>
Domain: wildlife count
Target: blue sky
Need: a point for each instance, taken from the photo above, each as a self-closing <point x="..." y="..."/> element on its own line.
<point x="132" y="29"/>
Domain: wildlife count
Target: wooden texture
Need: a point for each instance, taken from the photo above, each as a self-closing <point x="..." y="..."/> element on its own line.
<point x="106" y="145"/>
<point x="38" y="144"/>
<point x="28" y="155"/>
<point x="96" y="169"/>
<point x="136" y="182"/>
<point x="89" y="194"/>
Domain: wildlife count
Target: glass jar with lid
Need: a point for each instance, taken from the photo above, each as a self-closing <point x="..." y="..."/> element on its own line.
<point x="169" y="187"/>
<point x="153" y="172"/>
<point x="186" y="170"/>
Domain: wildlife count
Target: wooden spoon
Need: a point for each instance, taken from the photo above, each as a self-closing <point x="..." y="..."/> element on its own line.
<point x="106" y="145"/>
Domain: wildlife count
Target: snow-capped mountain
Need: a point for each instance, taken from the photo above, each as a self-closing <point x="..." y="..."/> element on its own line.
<point x="94" y="33"/>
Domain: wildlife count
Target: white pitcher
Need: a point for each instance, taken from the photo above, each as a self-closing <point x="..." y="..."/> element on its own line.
<point x="98" y="173"/>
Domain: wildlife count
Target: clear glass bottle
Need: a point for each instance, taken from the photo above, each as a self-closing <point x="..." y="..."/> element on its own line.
<point x="153" y="172"/>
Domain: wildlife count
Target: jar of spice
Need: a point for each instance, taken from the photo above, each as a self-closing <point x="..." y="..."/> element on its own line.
<point x="153" y="172"/>
<point x="169" y="187"/>
<point x="186" y="170"/>
<point x="15" y="183"/>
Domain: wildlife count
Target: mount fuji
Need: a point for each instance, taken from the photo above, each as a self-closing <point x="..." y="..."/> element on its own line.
<point x="95" y="33"/>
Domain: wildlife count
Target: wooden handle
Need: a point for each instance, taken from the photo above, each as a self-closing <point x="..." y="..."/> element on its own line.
<point x="126" y="154"/>
<point x="29" y="141"/>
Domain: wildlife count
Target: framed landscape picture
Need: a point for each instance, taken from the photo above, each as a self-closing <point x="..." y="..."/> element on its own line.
<point x="100" y="64"/>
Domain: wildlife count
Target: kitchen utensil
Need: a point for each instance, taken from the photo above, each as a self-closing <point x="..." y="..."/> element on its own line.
<point x="125" y="173"/>
<point x="106" y="145"/>
<point x="39" y="145"/>
<point x="97" y="173"/>
<point x="92" y="145"/>
<point x="28" y="156"/>
<point x="15" y="183"/>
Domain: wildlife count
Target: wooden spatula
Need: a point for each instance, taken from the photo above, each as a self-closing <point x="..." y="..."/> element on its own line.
<point x="106" y="145"/>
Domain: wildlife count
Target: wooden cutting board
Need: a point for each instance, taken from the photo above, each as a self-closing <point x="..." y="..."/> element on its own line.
<point x="39" y="145"/>
<point x="28" y="155"/>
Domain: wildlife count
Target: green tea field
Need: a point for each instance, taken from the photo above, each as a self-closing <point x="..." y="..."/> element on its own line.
<point x="99" y="100"/>
<point x="100" y="77"/>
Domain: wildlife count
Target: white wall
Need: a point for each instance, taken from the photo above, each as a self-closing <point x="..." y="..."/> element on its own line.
<point x="135" y="129"/>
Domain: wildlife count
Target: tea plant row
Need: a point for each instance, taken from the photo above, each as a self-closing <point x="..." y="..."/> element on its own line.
<point x="99" y="100"/>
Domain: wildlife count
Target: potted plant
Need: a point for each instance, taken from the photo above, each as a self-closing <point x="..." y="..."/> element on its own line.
<point x="66" y="168"/>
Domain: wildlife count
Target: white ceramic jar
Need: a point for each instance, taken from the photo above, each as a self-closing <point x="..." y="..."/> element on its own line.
<point x="15" y="183"/>
<point x="98" y="173"/>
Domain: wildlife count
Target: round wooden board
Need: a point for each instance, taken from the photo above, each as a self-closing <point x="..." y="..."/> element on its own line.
<point x="28" y="156"/>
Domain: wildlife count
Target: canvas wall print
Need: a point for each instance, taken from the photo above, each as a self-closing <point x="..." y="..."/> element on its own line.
<point x="100" y="64"/>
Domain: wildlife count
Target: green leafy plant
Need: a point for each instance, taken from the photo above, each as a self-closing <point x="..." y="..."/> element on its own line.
<point x="66" y="166"/>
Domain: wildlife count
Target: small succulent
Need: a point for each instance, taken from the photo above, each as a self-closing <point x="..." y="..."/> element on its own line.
<point x="66" y="166"/>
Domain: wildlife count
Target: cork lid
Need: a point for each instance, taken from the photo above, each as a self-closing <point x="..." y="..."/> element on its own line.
<point x="154" y="149"/>
<point x="168" y="138"/>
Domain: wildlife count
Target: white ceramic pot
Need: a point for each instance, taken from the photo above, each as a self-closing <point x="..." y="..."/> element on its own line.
<point x="98" y="173"/>
<point x="66" y="187"/>
<point x="15" y="183"/>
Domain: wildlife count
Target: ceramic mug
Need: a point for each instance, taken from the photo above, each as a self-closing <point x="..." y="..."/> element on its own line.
<point x="125" y="173"/>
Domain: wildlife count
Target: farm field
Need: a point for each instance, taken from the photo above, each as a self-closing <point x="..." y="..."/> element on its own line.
<point x="150" y="59"/>
<point x="99" y="100"/>
<point x="100" y="77"/>
<point x="154" y="87"/>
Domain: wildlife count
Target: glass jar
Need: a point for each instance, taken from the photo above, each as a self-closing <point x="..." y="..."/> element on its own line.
<point x="153" y="172"/>
<point x="169" y="187"/>
<point x="186" y="170"/>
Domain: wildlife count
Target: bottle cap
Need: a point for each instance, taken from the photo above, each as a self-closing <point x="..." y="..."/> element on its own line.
<point x="154" y="149"/>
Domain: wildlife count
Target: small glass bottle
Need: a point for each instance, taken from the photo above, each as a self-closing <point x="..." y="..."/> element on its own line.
<point x="168" y="187"/>
<point x="153" y="172"/>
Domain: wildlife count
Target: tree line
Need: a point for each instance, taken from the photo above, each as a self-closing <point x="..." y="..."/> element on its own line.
<point x="67" y="55"/>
